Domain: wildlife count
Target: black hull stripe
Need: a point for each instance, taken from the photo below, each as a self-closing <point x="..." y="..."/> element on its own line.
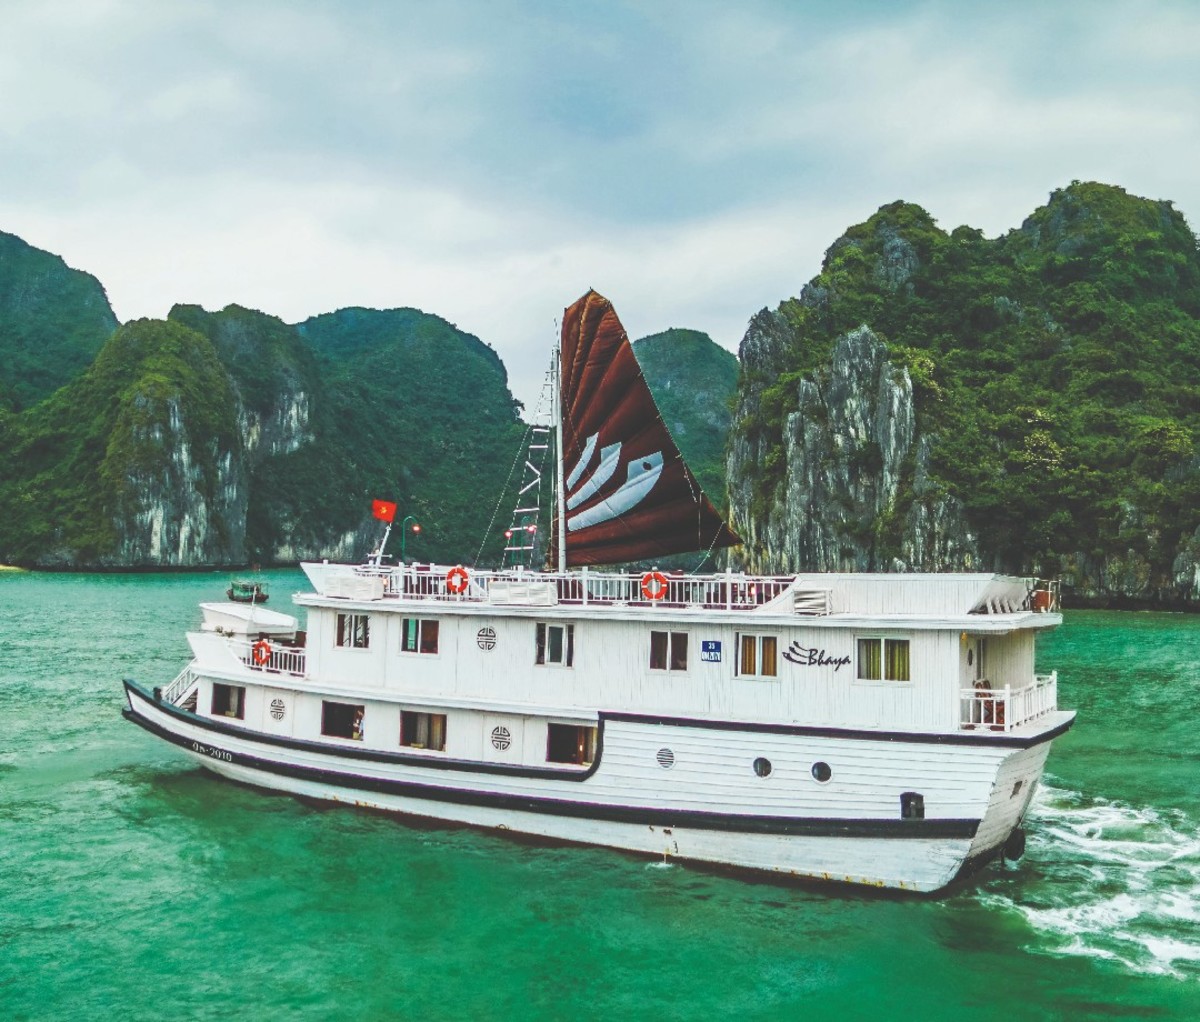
<point x="641" y="815"/>
<point x="982" y="737"/>
<point x="991" y="739"/>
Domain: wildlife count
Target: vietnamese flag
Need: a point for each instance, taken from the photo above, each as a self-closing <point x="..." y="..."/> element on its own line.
<point x="384" y="510"/>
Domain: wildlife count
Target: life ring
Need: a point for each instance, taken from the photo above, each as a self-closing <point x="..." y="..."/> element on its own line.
<point x="654" y="585"/>
<point x="262" y="652"/>
<point x="457" y="579"/>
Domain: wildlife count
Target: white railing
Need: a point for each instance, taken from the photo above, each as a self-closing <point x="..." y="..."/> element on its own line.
<point x="1002" y="709"/>
<point x="184" y="681"/>
<point x="649" y="589"/>
<point x="273" y="658"/>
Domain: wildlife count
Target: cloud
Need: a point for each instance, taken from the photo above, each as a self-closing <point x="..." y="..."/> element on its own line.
<point x="490" y="161"/>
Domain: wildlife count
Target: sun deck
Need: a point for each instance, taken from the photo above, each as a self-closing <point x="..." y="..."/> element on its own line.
<point x="815" y="595"/>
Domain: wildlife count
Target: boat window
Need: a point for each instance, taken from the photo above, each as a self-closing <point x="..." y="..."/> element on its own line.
<point x="342" y="720"/>
<point x="668" y="651"/>
<point x="883" y="660"/>
<point x="353" y="630"/>
<point x="419" y="636"/>
<point x="758" y="656"/>
<point x="228" y="701"/>
<point x="555" y="645"/>
<point x="423" y="730"/>
<point x="570" y="743"/>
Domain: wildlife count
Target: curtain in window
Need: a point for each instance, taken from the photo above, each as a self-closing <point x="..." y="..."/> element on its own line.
<point x="540" y="658"/>
<point x="897" y="659"/>
<point x="437" y="731"/>
<point x="748" y="660"/>
<point x="769" y="659"/>
<point x="869" y="659"/>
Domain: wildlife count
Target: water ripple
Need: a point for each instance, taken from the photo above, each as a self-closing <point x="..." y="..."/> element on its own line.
<point x="1112" y="881"/>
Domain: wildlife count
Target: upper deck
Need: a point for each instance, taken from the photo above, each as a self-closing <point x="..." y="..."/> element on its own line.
<point x="927" y="600"/>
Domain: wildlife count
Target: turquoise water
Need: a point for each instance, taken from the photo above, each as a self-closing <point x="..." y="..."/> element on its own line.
<point x="135" y="886"/>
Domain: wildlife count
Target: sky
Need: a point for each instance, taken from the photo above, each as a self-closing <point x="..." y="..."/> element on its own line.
<point x="489" y="161"/>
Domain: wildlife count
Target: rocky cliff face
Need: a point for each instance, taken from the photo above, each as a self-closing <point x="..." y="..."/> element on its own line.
<point x="281" y="429"/>
<point x="1030" y="404"/>
<point x="851" y="475"/>
<point x="185" y="510"/>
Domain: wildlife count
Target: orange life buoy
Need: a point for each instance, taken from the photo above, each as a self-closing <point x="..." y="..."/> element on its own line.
<point x="457" y="579"/>
<point x="262" y="652"/>
<point x="654" y="585"/>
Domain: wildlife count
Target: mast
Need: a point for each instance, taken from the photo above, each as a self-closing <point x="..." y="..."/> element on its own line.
<point x="561" y="506"/>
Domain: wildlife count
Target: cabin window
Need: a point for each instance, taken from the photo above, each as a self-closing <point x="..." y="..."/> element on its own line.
<point x="758" y="656"/>
<point x="555" y="645"/>
<point x="668" y="651"/>
<point x="418" y="636"/>
<point x="342" y="720"/>
<point x="883" y="660"/>
<point x="353" y="631"/>
<point x="423" y="730"/>
<point x="228" y="701"/>
<point x="570" y="743"/>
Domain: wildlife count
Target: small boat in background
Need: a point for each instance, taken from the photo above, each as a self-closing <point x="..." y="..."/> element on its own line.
<point x="247" y="590"/>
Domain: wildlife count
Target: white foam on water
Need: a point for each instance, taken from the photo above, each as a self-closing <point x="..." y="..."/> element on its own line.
<point x="1116" y="881"/>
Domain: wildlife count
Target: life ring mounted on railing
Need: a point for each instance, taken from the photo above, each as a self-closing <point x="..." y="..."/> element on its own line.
<point x="654" y="585"/>
<point x="457" y="579"/>
<point x="261" y="651"/>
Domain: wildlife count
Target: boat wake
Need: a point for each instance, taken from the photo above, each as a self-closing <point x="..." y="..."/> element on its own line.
<point x="1112" y="881"/>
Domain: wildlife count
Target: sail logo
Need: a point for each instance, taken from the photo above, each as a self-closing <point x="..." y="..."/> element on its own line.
<point x="640" y="476"/>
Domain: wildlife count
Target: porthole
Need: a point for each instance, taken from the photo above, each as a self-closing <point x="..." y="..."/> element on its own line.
<point x="666" y="758"/>
<point x="762" y="767"/>
<point x="821" y="771"/>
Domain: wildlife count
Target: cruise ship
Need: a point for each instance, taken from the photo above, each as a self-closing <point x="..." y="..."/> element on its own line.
<point x="879" y="729"/>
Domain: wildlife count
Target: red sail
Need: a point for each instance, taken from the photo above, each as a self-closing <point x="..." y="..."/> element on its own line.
<point x="629" y="495"/>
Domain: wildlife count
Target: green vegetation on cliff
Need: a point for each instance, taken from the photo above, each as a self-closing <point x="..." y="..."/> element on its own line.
<point x="68" y="464"/>
<point x="693" y="380"/>
<point x="1057" y="369"/>
<point x="53" y="321"/>
<point x="419" y="413"/>
<point x="185" y="436"/>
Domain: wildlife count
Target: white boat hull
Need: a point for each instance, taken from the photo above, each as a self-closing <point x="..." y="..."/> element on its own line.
<point x="848" y="830"/>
